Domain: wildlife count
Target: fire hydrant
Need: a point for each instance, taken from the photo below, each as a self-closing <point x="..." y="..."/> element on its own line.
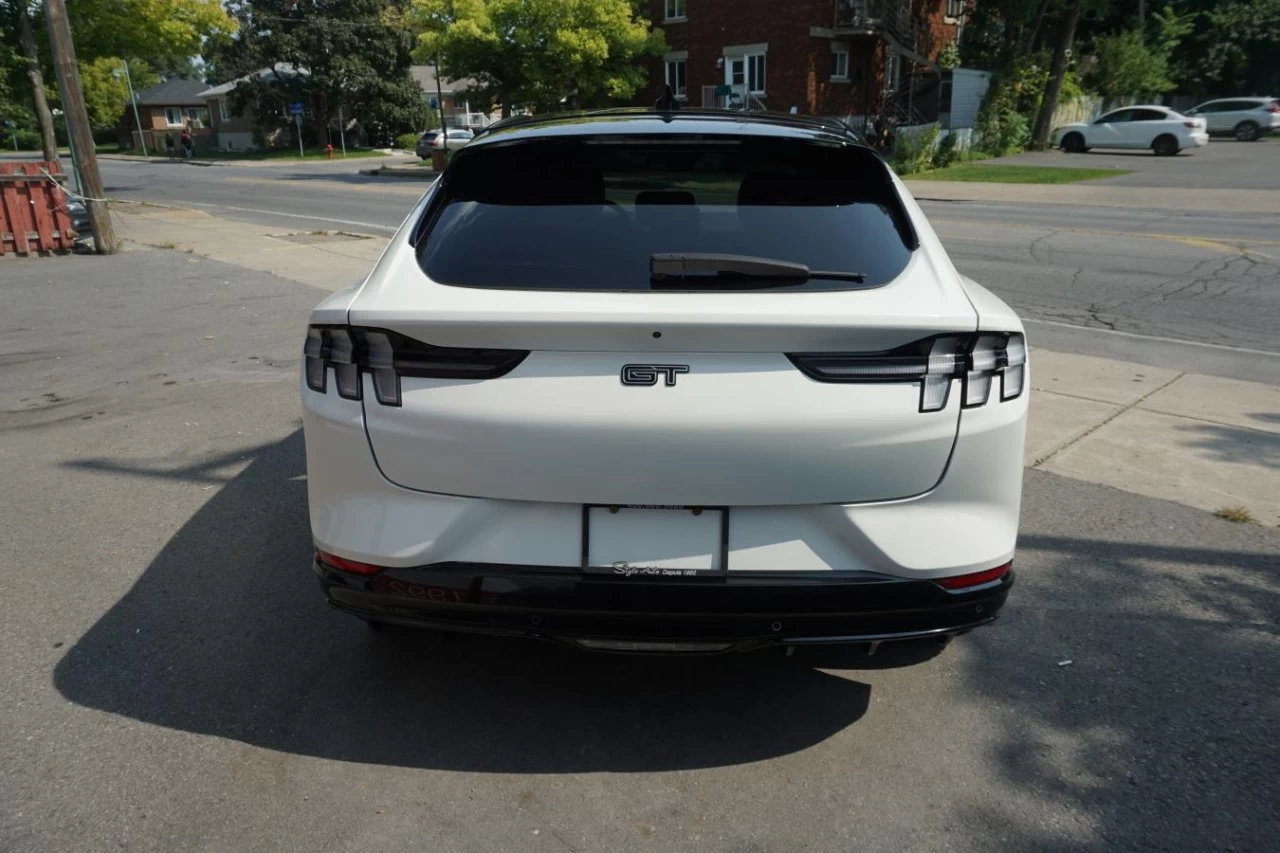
<point x="328" y="151"/>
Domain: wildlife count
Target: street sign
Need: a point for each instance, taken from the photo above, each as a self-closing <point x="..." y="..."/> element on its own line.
<point x="435" y="104"/>
<point x="295" y="109"/>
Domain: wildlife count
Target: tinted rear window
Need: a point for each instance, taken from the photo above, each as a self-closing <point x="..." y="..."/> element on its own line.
<point x="587" y="213"/>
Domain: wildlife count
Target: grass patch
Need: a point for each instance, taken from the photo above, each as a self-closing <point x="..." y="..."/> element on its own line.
<point x="1017" y="174"/>
<point x="1238" y="514"/>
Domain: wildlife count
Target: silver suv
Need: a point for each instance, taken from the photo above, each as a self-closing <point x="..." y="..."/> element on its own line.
<point x="1245" y="118"/>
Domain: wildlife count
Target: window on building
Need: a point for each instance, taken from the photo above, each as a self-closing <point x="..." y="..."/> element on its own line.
<point x="675" y="10"/>
<point x="198" y="116"/>
<point x="224" y="109"/>
<point x="956" y="8"/>
<point x="676" y="76"/>
<point x="839" y="63"/>
<point x="737" y="71"/>
<point x="755" y="73"/>
<point x="892" y="68"/>
<point x="173" y="116"/>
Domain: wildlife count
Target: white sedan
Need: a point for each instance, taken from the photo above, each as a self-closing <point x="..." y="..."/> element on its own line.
<point x="1160" y="129"/>
<point x="667" y="382"/>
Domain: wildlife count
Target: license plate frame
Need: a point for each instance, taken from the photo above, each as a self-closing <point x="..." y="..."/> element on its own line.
<point x="643" y="572"/>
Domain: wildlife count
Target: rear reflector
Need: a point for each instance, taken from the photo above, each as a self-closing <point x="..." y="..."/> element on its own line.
<point x="344" y="565"/>
<point x="963" y="582"/>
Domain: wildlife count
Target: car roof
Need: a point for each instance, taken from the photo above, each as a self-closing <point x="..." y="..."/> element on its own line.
<point x="1240" y="98"/>
<point x="1143" y="107"/>
<point x="647" y="121"/>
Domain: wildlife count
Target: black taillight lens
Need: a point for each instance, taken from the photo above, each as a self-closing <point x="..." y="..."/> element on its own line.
<point x="933" y="362"/>
<point x="386" y="356"/>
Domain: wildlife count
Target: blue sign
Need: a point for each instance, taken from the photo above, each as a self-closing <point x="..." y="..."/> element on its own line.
<point x="435" y="105"/>
<point x="295" y="109"/>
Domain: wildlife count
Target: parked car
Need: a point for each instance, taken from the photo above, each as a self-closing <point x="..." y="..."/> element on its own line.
<point x="425" y="140"/>
<point x="1246" y="119"/>
<point x="1164" y="131"/>
<point x="678" y="382"/>
<point x="454" y="138"/>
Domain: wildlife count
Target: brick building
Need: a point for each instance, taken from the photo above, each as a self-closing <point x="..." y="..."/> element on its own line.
<point x="846" y="58"/>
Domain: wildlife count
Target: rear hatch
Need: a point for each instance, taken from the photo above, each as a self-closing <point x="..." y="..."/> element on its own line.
<point x="611" y="384"/>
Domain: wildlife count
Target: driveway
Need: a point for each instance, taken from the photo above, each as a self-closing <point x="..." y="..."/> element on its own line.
<point x="172" y="680"/>
<point x="1222" y="164"/>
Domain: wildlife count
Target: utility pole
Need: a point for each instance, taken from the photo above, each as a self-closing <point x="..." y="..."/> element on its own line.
<point x="64" y="60"/>
<point x="133" y="101"/>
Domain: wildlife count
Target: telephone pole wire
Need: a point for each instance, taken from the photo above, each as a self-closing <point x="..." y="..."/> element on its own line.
<point x="73" y="109"/>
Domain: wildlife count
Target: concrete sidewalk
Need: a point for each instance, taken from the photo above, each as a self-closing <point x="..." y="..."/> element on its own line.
<point x="1203" y="441"/>
<point x="1094" y="194"/>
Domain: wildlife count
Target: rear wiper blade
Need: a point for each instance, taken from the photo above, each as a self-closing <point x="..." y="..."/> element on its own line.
<point x="712" y="270"/>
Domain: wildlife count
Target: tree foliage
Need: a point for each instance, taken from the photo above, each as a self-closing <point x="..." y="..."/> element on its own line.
<point x="1128" y="66"/>
<point x="156" y="31"/>
<point x="1233" y="49"/>
<point x="106" y="92"/>
<point x="540" y="54"/>
<point x="356" y="54"/>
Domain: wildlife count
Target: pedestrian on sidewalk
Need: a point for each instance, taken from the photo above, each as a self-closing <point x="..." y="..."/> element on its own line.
<point x="187" y="145"/>
<point x="169" y="147"/>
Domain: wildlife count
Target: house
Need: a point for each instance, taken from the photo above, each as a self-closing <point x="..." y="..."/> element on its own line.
<point x="165" y="109"/>
<point x="852" y="59"/>
<point x="237" y="129"/>
<point x="458" y="110"/>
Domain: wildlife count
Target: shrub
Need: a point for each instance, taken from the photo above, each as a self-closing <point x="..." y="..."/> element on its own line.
<point x="946" y="153"/>
<point x="105" y="136"/>
<point x="914" y="153"/>
<point x="28" y="140"/>
<point x="407" y="141"/>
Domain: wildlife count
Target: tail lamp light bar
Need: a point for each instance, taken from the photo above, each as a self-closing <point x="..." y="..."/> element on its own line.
<point x="977" y="360"/>
<point x="387" y="356"/>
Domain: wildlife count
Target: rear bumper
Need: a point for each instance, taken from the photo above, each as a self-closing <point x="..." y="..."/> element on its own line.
<point x="711" y="615"/>
<point x="1199" y="139"/>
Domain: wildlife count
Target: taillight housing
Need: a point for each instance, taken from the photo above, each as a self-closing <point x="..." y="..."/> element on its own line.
<point x="1273" y="107"/>
<point x="386" y="356"/>
<point x="977" y="360"/>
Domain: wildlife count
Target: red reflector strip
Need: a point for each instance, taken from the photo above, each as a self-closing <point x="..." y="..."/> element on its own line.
<point x="975" y="579"/>
<point x="345" y="565"/>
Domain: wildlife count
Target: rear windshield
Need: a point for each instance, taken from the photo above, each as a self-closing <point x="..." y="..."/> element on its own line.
<point x="588" y="213"/>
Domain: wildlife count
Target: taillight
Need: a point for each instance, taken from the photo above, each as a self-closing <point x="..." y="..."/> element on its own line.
<point x="387" y="356"/>
<point x="977" y="360"/>
<point x="342" y="564"/>
<point x="1273" y="107"/>
<point x="964" y="583"/>
<point x="1191" y="124"/>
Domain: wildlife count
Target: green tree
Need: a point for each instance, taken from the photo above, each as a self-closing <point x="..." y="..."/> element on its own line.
<point x="356" y="54"/>
<point x="156" y="31"/>
<point x="1128" y="66"/>
<point x="106" y="92"/>
<point x="539" y="54"/>
<point x="1233" y="48"/>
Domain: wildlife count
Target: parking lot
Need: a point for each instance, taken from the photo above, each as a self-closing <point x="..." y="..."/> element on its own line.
<point x="174" y="682"/>
<point x="1222" y="164"/>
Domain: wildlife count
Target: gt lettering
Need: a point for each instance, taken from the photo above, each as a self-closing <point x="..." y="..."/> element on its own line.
<point x="647" y="374"/>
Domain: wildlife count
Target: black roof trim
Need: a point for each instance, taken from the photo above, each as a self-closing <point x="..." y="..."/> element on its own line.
<point x="830" y="125"/>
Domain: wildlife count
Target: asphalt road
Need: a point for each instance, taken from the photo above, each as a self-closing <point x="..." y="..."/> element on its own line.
<point x="1192" y="291"/>
<point x="173" y="682"/>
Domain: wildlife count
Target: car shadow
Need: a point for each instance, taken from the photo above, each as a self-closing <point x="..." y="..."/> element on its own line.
<point x="1131" y="688"/>
<point x="226" y="634"/>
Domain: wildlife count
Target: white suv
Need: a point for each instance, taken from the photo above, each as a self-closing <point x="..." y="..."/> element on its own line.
<point x="687" y="381"/>
<point x="1245" y="118"/>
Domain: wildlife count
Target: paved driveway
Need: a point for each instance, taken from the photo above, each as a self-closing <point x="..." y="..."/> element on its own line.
<point x="1222" y="164"/>
<point x="172" y="681"/>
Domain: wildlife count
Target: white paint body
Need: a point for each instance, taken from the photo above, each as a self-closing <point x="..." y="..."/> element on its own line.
<point x="817" y="478"/>
<point x="1137" y="127"/>
<point x="1225" y="115"/>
